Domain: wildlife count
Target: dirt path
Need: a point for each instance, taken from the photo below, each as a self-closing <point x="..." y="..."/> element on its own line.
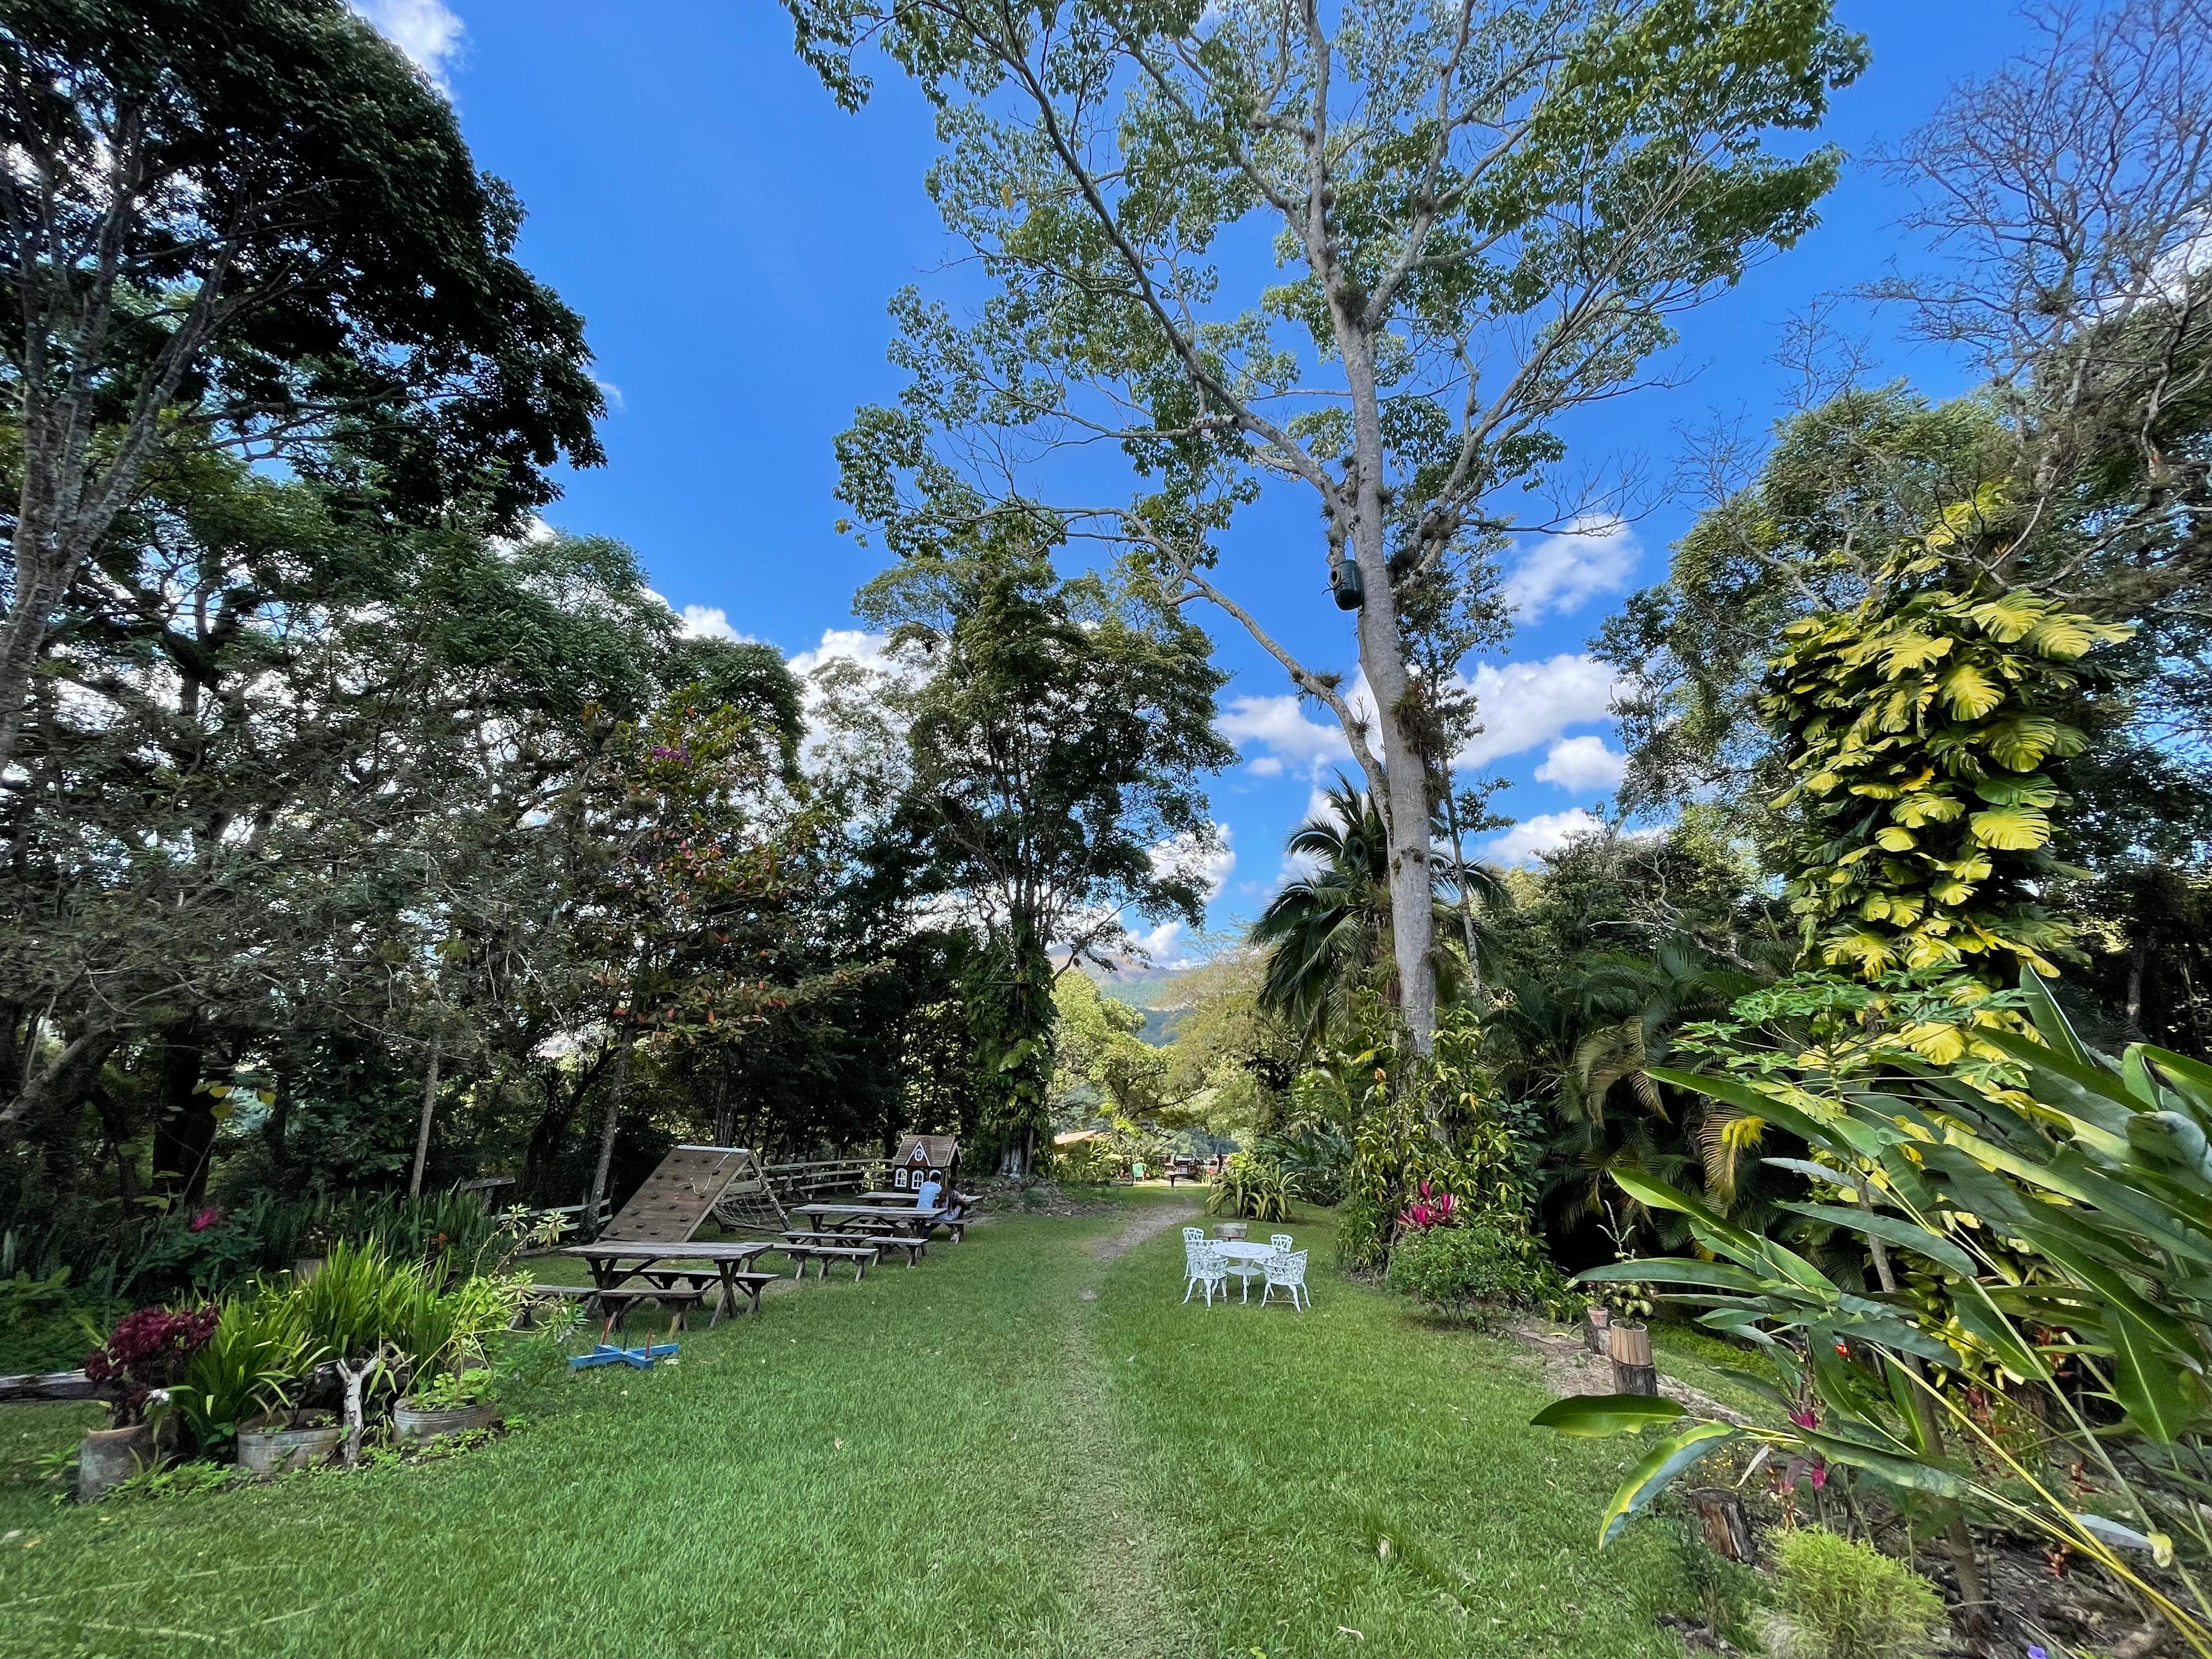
<point x="1124" y="1561"/>
<point x="1155" y="1220"/>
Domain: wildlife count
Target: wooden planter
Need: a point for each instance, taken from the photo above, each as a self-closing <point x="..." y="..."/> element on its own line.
<point x="108" y="1456"/>
<point x="1633" y="1372"/>
<point x="1593" y="1332"/>
<point x="427" y="1423"/>
<point x="273" y="1449"/>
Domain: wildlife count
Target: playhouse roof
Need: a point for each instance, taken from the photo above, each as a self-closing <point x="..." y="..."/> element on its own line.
<point x="938" y="1151"/>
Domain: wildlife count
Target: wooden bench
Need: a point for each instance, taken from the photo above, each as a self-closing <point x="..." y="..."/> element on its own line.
<point x="677" y="1300"/>
<point x="862" y="1256"/>
<point x="752" y="1285"/>
<point x="913" y="1246"/>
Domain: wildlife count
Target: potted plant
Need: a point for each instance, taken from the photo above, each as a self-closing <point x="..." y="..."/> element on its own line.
<point x="143" y="1356"/>
<point x="447" y="1403"/>
<point x="240" y="1386"/>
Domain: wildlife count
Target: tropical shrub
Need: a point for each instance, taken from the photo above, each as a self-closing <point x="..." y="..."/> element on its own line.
<point x="2063" y="1212"/>
<point x="1918" y="728"/>
<point x="258" y="1356"/>
<point x="146" y="1351"/>
<point x="1841" y="1599"/>
<point x="1251" y="1187"/>
<point x="1487" y="1263"/>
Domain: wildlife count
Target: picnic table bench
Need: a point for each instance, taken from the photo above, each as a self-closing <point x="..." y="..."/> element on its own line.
<point x="881" y="1218"/>
<point x="626" y="1272"/>
<point x="863" y="1253"/>
<point x="912" y="1245"/>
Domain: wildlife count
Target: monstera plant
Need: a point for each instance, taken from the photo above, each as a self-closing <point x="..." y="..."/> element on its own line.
<point x="1919" y="726"/>
<point x="2064" y="1210"/>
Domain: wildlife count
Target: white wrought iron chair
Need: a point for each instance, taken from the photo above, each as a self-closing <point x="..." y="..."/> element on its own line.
<point x="1281" y="1240"/>
<point x="1286" y="1271"/>
<point x="1202" y="1265"/>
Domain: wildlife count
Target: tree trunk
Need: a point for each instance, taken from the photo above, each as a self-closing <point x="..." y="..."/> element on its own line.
<point x="184" y="1131"/>
<point x="1405" y="791"/>
<point x="617" y="1086"/>
<point x="422" y="1129"/>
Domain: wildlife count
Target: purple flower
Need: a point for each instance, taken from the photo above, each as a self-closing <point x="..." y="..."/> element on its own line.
<point x="2036" y="1653"/>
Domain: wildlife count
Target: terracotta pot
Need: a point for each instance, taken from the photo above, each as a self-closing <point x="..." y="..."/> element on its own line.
<point x="108" y="1456"/>
<point x="428" y="1422"/>
<point x="273" y="1449"/>
<point x="1594" y="1334"/>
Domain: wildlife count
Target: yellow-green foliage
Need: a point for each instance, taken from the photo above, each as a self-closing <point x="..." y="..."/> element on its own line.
<point x="1843" y="1600"/>
<point x="1917" y="729"/>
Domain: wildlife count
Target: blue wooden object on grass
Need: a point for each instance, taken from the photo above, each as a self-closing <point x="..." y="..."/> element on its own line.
<point x="607" y="1354"/>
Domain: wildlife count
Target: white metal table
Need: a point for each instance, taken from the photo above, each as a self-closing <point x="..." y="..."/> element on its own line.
<point x="1237" y="1250"/>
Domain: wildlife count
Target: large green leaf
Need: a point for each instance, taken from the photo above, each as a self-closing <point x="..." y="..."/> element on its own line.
<point x="1841" y="1133"/>
<point x="1600" y="1416"/>
<point x="2154" y="1390"/>
<point x="1657" y="1471"/>
<point x="1982" y="1319"/>
<point x="2049" y="1020"/>
<point x="1900" y="1468"/>
<point x="1893" y="1230"/>
<point x="1673" y="1270"/>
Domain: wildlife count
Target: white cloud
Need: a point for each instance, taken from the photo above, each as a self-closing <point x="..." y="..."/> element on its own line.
<point x="1291" y="738"/>
<point x="1160" y="943"/>
<point x="1207" y="866"/>
<point x="1563" y="573"/>
<point x="1523" y="704"/>
<point x="1547" y="832"/>
<point x="850" y="644"/>
<point x="711" y="621"/>
<point x="426" y="30"/>
<point x="1581" y="764"/>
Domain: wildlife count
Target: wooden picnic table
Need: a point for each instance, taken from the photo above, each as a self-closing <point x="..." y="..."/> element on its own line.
<point x="606" y="1261"/>
<point x="865" y="1218"/>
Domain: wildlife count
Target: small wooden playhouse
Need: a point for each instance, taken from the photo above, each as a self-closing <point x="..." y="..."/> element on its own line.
<point x="926" y="1158"/>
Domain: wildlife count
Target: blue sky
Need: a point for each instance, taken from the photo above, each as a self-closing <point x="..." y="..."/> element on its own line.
<point x="731" y="239"/>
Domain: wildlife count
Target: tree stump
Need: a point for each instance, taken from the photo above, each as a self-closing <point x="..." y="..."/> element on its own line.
<point x="1593" y="1331"/>
<point x="1633" y="1372"/>
<point x="1721" y="1518"/>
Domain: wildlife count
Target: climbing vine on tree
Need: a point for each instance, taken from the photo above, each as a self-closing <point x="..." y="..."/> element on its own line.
<point x="1919" y="725"/>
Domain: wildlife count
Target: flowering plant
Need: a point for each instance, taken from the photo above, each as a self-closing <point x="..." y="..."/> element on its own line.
<point x="1432" y="1207"/>
<point x="146" y="1351"/>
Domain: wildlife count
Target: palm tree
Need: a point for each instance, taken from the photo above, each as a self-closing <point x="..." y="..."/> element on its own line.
<point x="1328" y="933"/>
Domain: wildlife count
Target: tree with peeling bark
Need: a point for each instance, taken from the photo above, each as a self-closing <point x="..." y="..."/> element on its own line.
<point x="250" y="226"/>
<point x="1487" y="215"/>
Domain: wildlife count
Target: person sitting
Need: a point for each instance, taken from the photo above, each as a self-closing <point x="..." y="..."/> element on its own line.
<point x="925" y="1193"/>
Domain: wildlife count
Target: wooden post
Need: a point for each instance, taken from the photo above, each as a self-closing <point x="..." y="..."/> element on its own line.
<point x="1633" y="1372"/>
<point x="1594" y="1332"/>
<point x="1721" y="1518"/>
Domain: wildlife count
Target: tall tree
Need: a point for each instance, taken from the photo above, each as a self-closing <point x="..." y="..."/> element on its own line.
<point x="251" y="225"/>
<point x="1490" y="212"/>
<point x="1057" y="749"/>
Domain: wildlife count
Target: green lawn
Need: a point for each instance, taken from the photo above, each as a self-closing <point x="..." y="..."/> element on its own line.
<point x="1016" y="1449"/>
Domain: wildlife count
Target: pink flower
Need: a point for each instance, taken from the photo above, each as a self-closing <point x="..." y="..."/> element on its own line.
<point x="1806" y="1418"/>
<point x="206" y="1218"/>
